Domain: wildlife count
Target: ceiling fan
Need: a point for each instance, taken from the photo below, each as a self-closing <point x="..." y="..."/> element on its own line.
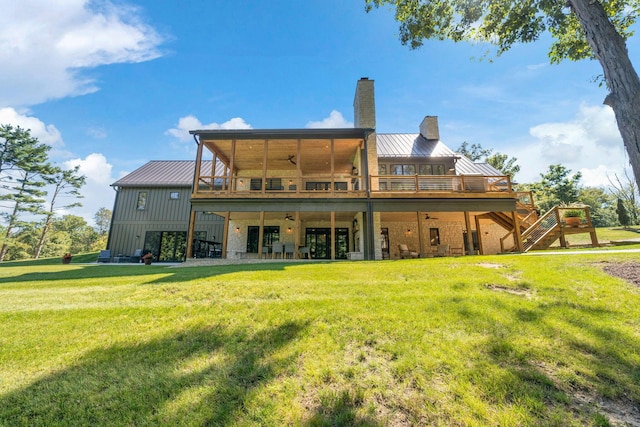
<point x="288" y="217"/>
<point x="427" y="216"/>
<point x="290" y="158"/>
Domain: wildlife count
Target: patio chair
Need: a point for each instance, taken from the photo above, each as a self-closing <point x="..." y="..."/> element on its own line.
<point x="104" y="256"/>
<point x="304" y="252"/>
<point x="443" y="250"/>
<point x="136" y="256"/>
<point x="288" y="250"/>
<point x="405" y="252"/>
<point x="277" y="250"/>
<point x="266" y="250"/>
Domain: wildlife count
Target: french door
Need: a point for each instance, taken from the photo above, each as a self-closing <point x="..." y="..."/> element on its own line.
<point x="318" y="240"/>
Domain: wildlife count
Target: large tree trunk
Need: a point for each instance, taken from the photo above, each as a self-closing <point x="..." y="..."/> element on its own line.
<point x="622" y="80"/>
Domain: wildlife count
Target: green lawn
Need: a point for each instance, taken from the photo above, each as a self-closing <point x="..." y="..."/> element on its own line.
<point x="504" y="340"/>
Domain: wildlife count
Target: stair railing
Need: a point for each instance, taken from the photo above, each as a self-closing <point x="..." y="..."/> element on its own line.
<point x="540" y="229"/>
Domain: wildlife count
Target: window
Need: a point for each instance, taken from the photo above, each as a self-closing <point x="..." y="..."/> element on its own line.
<point x="434" y="236"/>
<point x="174" y="195"/>
<point x="382" y="169"/>
<point x="431" y="169"/>
<point x="142" y="201"/>
<point x="271" y="234"/>
<point x="403" y="169"/>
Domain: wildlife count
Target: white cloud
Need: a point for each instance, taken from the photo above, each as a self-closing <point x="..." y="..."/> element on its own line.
<point x="335" y="120"/>
<point x="187" y="123"/>
<point x="47" y="134"/>
<point x="590" y="144"/>
<point x="96" y="192"/>
<point x="44" y="46"/>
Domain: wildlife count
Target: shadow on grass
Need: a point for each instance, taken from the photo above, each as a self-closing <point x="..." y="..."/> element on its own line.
<point x="169" y="275"/>
<point x="592" y="376"/>
<point x="204" y="376"/>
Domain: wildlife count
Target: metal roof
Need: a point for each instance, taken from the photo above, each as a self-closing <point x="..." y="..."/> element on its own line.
<point x="464" y="166"/>
<point x="179" y="173"/>
<point x="162" y="173"/>
<point x="410" y="145"/>
<point x="307" y="133"/>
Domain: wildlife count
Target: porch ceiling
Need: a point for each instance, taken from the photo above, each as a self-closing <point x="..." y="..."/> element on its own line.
<point x="315" y="154"/>
<point x="279" y="216"/>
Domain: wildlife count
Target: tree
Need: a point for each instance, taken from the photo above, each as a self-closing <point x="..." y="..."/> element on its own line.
<point x="556" y="187"/>
<point x="501" y="162"/>
<point x="474" y="152"/>
<point x="601" y="206"/>
<point x="623" y="215"/>
<point x="27" y="198"/>
<point x="504" y="164"/>
<point x="66" y="183"/>
<point x="102" y="219"/>
<point x="581" y="29"/>
<point x="627" y="191"/>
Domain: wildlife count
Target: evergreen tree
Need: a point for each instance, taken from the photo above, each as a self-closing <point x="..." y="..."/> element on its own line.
<point x="623" y="215"/>
<point x="66" y="183"/>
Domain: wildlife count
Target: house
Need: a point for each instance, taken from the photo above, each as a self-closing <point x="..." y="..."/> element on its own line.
<point x="320" y="193"/>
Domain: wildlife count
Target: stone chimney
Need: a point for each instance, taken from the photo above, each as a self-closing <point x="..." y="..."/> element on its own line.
<point x="364" y="105"/>
<point x="429" y="128"/>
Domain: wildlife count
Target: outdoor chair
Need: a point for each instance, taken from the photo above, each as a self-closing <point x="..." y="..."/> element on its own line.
<point x="288" y="250"/>
<point x="136" y="256"/>
<point x="405" y="252"/>
<point x="104" y="256"/>
<point x="277" y="250"/>
<point x="443" y="250"/>
<point x="304" y="252"/>
<point x="266" y="250"/>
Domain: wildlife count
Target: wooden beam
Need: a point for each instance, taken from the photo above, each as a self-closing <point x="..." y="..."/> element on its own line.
<point x="190" y="233"/>
<point x="264" y="165"/>
<point x="296" y="237"/>
<point x="517" y="232"/>
<point x="231" y="165"/>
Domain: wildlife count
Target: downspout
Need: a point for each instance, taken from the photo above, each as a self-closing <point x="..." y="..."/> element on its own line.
<point x="113" y="214"/>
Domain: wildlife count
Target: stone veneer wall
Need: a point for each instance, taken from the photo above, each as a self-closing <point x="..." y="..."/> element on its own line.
<point x="407" y="232"/>
<point x="491" y="234"/>
<point x="238" y="239"/>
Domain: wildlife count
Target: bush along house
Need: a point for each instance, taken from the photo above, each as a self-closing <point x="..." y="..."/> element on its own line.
<point x="327" y="194"/>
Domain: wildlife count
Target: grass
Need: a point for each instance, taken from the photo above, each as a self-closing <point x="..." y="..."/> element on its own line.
<point x="468" y="341"/>
<point x="605" y="235"/>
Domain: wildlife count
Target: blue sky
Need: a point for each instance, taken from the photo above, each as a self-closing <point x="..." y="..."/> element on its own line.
<point x="111" y="85"/>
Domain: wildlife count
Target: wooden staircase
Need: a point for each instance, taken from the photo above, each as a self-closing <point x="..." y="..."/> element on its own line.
<point x="545" y="231"/>
<point x="538" y="233"/>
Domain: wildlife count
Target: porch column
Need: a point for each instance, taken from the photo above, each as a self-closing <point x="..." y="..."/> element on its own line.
<point x="467" y="224"/>
<point x="479" y="233"/>
<point x="232" y="167"/>
<point x="517" y="234"/>
<point x="296" y="237"/>
<point x="264" y="165"/>
<point x="261" y="234"/>
<point x="196" y="177"/>
<point x="190" y="233"/>
<point x="298" y="167"/>
<point x="420" y="241"/>
<point x="333" y="235"/>
<point x="225" y="234"/>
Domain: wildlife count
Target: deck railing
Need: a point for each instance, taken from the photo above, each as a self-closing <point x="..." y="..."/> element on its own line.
<point x="436" y="183"/>
<point x="344" y="184"/>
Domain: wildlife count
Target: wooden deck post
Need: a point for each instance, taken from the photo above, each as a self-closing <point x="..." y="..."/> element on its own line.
<point x="192" y="225"/>
<point x="296" y="237"/>
<point x="420" y="240"/>
<point x="261" y="234"/>
<point x="479" y="234"/>
<point x="333" y="235"/>
<point x="225" y="234"/>
<point x="467" y="224"/>
<point x="516" y="233"/>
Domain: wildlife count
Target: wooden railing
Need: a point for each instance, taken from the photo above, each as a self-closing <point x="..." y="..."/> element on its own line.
<point x="436" y="183"/>
<point x="550" y="222"/>
<point x="311" y="184"/>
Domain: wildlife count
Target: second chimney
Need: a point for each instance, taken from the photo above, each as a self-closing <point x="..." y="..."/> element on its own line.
<point x="429" y="128"/>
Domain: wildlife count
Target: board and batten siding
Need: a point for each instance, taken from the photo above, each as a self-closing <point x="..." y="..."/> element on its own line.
<point x="161" y="213"/>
